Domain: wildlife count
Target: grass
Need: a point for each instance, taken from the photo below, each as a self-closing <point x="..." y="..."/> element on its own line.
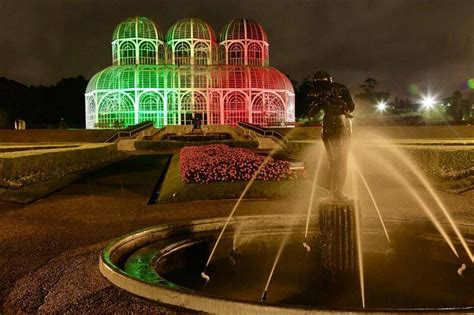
<point x="391" y="132"/>
<point x="175" y="190"/>
<point x="23" y="167"/>
<point x="54" y="135"/>
<point x="17" y="147"/>
<point x="456" y="185"/>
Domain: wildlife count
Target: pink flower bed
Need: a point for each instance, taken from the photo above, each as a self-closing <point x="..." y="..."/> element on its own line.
<point x="219" y="162"/>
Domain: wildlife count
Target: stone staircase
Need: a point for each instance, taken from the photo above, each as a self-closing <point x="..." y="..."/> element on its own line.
<point x="126" y="144"/>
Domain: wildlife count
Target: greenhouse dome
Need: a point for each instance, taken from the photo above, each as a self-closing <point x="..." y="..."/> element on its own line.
<point x="137" y="27"/>
<point x="173" y="82"/>
<point x="191" y="42"/>
<point x="243" y="42"/>
<point x="137" y="40"/>
<point x="189" y="29"/>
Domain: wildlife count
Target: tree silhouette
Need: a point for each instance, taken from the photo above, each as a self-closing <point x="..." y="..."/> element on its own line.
<point x="301" y="98"/>
<point x="370" y="94"/>
<point x="43" y="106"/>
<point x="455" y="110"/>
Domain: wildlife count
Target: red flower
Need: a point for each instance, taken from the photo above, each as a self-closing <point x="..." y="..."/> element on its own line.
<point x="219" y="162"/>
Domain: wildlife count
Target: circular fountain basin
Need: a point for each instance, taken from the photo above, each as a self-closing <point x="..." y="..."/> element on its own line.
<point x="417" y="271"/>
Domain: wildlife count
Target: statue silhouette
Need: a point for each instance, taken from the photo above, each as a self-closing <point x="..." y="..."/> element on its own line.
<point x="335" y="101"/>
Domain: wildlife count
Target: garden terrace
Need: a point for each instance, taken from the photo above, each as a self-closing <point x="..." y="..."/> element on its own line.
<point x="21" y="167"/>
<point x="54" y="135"/>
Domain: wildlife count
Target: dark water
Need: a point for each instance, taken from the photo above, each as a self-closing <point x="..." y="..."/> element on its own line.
<point x="407" y="280"/>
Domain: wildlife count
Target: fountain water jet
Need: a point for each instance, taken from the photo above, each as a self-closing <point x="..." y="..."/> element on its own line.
<point x="359" y="243"/>
<point x="247" y="187"/>
<point x="420" y="201"/>
<point x="422" y="178"/>
<point x="372" y="198"/>
<point x="275" y="262"/>
<point x="254" y="176"/>
<point x="311" y="199"/>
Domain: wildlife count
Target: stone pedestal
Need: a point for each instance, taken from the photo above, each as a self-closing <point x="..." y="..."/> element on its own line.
<point x="337" y="222"/>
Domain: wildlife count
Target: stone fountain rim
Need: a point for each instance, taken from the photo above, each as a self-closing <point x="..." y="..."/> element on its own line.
<point x="194" y="300"/>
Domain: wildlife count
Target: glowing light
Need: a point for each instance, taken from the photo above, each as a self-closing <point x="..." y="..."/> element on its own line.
<point x="413" y="89"/>
<point x="382" y="106"/>
<point x="470" y="83"/>
<point x="189" y="73"/>
<point x="428" y="101"/>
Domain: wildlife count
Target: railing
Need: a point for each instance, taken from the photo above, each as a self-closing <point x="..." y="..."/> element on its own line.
<point x="130" y="131"/>
<point x="278" y="137"/>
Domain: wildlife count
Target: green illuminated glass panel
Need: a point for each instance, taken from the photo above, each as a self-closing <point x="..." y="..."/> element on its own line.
<point x="116" y="110"/>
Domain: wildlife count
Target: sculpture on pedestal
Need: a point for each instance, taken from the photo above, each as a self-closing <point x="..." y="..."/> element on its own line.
<point x="336" y="102"/>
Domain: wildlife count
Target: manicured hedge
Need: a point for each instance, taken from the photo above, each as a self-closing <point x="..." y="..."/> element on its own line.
<point x="200" y="138"/>
<point x="437" y="161"/>
<point x="172" y="144"/>
<point x="448" y="162"/>
<point x="54" y="135"/>
<point x="219" y="162"/>
<point x="21" y="168"/>
<point x="444" y="159"/>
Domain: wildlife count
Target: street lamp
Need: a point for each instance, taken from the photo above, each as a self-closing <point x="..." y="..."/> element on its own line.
<point x="428" y="102"/>
<point x="381" y="106"/>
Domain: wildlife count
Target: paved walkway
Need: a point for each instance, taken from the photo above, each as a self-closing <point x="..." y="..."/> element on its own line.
<point x="49" y="249"/>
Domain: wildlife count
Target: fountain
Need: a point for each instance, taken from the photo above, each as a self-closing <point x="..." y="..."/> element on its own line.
<point x="349" y="260"/>
<point x="337" y="222"/>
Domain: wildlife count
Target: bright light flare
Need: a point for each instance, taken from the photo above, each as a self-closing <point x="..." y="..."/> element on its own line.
<point x="382" y="106"/>
<point x="428" y="101"/>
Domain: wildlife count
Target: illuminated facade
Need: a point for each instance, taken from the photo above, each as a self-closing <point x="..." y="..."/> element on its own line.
<point x="187" y="74"/>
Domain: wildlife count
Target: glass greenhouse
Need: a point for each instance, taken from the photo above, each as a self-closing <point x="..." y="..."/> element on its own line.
<point x="189" y="74"/>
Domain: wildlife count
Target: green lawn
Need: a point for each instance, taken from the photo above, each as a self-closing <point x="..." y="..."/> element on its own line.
<point x="174" y="189"/>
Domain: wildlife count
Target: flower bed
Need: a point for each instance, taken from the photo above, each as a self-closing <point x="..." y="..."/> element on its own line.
<point x="219" y="162"/>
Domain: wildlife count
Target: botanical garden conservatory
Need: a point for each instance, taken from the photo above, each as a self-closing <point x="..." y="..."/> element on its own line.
<point x="187" y="75"/>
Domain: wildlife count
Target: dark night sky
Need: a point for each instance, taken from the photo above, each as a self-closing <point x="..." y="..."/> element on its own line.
<point x="398" y="42"/>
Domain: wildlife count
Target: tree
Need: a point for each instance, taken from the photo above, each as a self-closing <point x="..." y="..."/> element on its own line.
<point x="370" y="94"/>
<point x="455" y="108"/>
<point x="301" y="98"/>
<point x="470" y="105"/>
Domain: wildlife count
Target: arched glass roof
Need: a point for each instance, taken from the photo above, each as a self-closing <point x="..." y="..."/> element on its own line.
<point x="137" y="27"/>
<point x="243" y="29"/>
<point x="190" y="28"/>
<point x="128" y="77"/>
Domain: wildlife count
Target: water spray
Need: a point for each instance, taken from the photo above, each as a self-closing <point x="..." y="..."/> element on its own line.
<point x="359" y="242"/>
<point x="205" y="276"/>
<point x="429" y="188"/>
<point x="372" y="198"/>
<point x="232" y="258"/>
<point x="264" y="296"/>
<point x="244" y="192"/>
<point x="307" y="247"/>
<point x="421" y="203"/>
<point x="310" y="205"/>
<point x="461" y="269"/>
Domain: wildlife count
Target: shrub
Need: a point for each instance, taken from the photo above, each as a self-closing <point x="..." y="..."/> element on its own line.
<point x="200" y="138"/>
<point x="173" y="144"/>
<point x="437" y="161"/>
<point x="448" y="162"/>
<point x="218" y="162"/>
<point x="21" y="168"/>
